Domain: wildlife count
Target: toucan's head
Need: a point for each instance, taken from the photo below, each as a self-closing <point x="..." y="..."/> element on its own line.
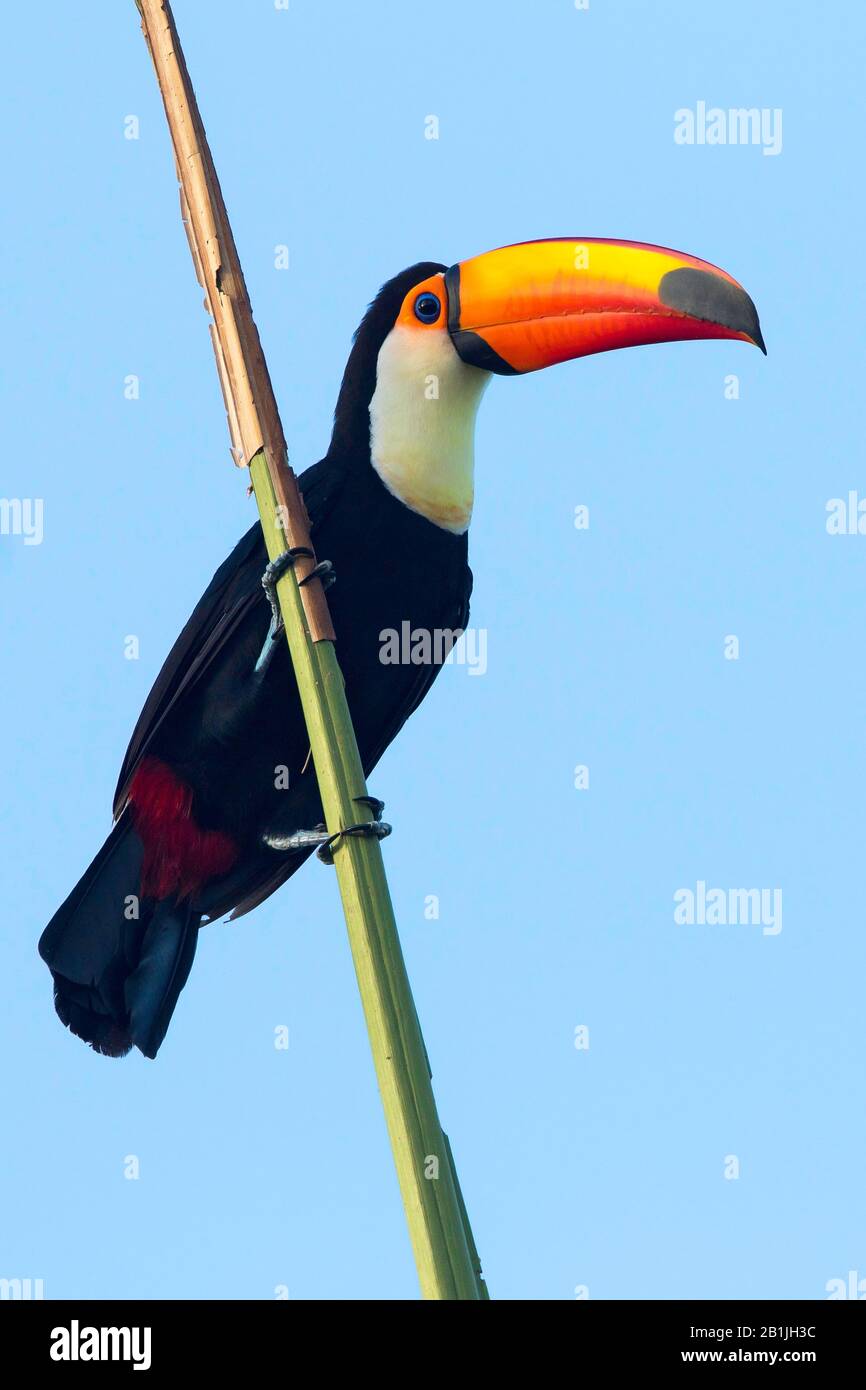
<point x="433" y="336"/>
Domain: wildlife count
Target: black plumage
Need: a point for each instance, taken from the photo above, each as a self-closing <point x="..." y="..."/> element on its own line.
<point x="224" y="729"/>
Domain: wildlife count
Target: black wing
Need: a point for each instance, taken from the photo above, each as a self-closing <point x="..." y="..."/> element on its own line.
<point x="258" y="886"/>
<point x="233" y="592"/>
<point x="457" y="617"/>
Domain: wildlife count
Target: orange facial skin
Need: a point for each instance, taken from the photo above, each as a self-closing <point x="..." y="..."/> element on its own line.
<point x="407" y="317"/>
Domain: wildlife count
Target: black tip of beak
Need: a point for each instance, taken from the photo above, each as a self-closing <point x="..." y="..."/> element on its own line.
<point x="703" y="295"/>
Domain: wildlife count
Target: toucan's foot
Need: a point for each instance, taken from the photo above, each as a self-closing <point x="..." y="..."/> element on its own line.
<point x="269" y="647"/>
<point x="323" y="842"/>
<point x="299" y="839"/>
<point x="274" y="572"/>
<point x="324" y="570"/>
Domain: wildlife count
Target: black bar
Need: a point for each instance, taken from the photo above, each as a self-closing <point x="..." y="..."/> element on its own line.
<point x="226" y="1337"/>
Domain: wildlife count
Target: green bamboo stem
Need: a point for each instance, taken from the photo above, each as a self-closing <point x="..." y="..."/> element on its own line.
<point x="445" y="1255"/>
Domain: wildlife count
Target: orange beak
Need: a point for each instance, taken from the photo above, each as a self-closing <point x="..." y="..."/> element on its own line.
<point x="528" y="306"/>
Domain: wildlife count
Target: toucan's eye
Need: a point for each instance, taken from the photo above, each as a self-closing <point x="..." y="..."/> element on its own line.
<point x="427" y="307"/>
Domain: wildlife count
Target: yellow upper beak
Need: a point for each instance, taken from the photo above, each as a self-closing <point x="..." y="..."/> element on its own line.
<point x="528" y="306"/>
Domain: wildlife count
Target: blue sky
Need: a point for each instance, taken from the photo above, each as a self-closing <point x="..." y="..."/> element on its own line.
<point x="602" y="1167"/>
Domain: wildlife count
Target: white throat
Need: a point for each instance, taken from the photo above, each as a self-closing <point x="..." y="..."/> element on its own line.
<point x="422" y="425"/>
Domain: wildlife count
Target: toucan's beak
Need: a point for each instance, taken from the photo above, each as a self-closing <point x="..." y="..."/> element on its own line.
<point x="528" y="306"/>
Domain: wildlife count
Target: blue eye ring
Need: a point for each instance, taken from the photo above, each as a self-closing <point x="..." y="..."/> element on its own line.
<point x="427" y="307"/>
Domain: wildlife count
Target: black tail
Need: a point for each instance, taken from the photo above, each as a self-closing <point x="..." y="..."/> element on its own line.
<point x="119" y="961"/>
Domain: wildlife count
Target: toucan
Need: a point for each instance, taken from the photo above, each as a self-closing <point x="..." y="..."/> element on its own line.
<point x="217" y="804"/>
